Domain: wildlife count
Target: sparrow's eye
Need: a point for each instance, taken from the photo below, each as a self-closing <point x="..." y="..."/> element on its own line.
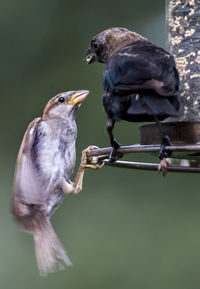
<point x="61" y="99"/>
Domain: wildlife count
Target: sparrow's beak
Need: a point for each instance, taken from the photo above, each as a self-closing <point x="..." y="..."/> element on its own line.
<point x="78" y="97"/>
<point x="90" y="56"/>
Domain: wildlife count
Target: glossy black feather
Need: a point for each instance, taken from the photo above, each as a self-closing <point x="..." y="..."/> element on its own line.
<point x="141" y="80"/>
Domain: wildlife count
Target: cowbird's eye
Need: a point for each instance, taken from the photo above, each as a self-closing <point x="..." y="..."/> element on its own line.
<point x="95" y="45"/>
<point x="61" y="99"/>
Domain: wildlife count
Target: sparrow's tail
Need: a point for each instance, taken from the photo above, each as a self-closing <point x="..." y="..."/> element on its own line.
<point x="50" y="253"/>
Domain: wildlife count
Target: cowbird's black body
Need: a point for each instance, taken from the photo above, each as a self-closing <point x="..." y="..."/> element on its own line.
<point x="140" y="81"/>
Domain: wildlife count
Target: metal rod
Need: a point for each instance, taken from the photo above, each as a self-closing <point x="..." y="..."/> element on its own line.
<point x="151" y="166"/>
<point x="144" y="148"/>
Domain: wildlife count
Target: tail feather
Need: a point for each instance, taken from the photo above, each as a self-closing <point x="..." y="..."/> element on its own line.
<point x="50" y="253"/>
<point x="140" y="106"/>
<point x="147" y="106"/>
<point x="162" y="105"/>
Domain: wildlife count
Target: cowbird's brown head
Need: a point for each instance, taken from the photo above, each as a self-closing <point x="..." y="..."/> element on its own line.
<point x="106" y="43"/>
<point x="65" y="104"/>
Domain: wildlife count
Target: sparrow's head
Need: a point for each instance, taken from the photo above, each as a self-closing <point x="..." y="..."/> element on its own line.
<point x="65" y="104"/>
<point x="106" y="43"/>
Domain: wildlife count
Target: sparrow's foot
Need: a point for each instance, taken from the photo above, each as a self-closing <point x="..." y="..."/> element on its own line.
<point x="163" y="166"/>
<point x="91" y="162"/>
<point x="86" y="162"/>
<point x="115" y="155"/>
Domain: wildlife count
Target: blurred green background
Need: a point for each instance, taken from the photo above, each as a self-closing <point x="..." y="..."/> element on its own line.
<point x="126" y="229"/>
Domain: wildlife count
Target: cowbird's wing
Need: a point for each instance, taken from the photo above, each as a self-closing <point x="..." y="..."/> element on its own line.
<point x="27" y="188"/>
<point x="141" y="66"/>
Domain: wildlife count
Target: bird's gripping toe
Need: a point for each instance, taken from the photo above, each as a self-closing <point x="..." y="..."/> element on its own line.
<point x="164" y="155"/>
<point x="163" y="166"/>
<point x="115" y="155"/>
<point x="90" y="162"/>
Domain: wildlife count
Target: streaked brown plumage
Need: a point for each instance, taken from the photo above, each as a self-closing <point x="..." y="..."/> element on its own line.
<point x="44" y="166"/>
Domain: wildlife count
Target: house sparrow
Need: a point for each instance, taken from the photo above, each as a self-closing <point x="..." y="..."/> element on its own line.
<point x="140" y="82"/>
<point x="44" y="166"/>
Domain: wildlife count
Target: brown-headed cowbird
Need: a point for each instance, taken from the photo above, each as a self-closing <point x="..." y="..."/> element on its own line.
<point x="140" y="81"/>
<point x="44" y="166"/>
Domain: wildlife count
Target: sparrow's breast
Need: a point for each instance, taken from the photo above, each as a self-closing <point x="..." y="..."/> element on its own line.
<point x="54" y="154"/>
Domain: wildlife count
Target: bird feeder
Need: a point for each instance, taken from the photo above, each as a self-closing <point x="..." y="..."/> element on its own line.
<point x="183" y="18"/>
<point x="184" y="43"/>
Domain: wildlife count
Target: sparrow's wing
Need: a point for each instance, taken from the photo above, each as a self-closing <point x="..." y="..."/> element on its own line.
<point x="26" y="184"/>
<point x="142" y="66"/>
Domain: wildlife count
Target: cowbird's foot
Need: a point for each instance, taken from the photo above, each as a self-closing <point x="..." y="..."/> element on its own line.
<point x="115" y="155"/>
<point x="163" y="166"/>
<point x="163" y="153"/>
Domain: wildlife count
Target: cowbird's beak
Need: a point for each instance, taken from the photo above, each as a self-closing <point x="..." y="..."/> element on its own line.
<point x="78" y="97"/>
<point x="90" y="56"/>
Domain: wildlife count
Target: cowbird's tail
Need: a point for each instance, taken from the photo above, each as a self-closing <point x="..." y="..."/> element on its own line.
<point x="50" y="253"/>
<point x="144" y="107"/>
<point x="141" y="106"/>
<point x="162" y="106"/>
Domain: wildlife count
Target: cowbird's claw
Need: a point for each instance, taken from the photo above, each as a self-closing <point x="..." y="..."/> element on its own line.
<point x="115" y="155"/>
<point x="163" y="166"/>
<point x="163" y="153"/>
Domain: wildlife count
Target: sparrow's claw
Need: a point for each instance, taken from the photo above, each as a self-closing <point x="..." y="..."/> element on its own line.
<point x="163" y="166"/>
<point x="93" y="161"/>
<point x="86" y="162"/>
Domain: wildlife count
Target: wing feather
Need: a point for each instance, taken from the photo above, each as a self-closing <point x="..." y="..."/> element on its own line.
<point x="142" y="66"/>
<point x="26" y="184"/>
